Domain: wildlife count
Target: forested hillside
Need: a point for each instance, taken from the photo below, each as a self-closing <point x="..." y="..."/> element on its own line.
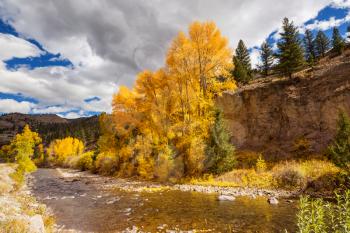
<point x="50" y="127"/>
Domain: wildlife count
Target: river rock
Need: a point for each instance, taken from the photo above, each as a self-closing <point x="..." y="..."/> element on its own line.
<point x="226" y="198"/>
<point x="272" y="201"/>
<point x="36" y="224"/>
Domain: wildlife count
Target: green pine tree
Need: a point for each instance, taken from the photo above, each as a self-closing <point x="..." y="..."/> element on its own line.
<point x="321" y="44"/>
<point x="219" y="151"/>
<point x="337" y="41"/>
<point x="240" y="73"/>
<point x="339" y="150"/>
<point x="242" y="55"/>
<point x="266" y="57"/>
<point x="309" y="45"/>
<point x="290" y="54"/>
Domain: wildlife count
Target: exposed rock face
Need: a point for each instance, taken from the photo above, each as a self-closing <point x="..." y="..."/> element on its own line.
<point x="271" y="115"/>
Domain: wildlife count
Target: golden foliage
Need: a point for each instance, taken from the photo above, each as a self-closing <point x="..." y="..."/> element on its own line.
<point x="173" y="107"/>
<point x="62" y="150"/>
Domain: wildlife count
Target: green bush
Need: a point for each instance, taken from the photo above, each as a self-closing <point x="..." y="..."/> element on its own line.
<point x="339" y="150"/>
<point x="319" y="216"/>
<point x="220" y="153"/>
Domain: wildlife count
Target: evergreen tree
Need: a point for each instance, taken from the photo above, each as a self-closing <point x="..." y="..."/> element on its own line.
<point x="266" y="57"/>
<point x="321" y="44"/>
<point x="240" y="73"/>
<point x="348" y="33"/>
<point x="309" y="45"/>
<point x="290" y="54"/>
<point x="337" y="41"/>
<point x="242" y="55"/>
<point x="220" y="152"/>
<point x="241" y="60"/>
<point x="339" y="151"/>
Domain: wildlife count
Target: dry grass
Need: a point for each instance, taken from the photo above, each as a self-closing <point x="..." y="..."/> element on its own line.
<point x="287" y="175"/>
<point x="16" y="207"/>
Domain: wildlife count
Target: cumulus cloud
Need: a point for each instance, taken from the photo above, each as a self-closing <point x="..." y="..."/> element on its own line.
<point x="12" y="46"/>
<point x="327" y="24"/>
<point x="10" y="105"/>
<point x="341" y="4"/>
<point x="109" y="42"/>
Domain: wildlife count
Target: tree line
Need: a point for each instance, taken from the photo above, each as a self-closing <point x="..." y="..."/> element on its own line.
<point x="292" y="54"/>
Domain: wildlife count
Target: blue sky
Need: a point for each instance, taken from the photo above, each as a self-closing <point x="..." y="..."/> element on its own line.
<point x="69" y="59"/>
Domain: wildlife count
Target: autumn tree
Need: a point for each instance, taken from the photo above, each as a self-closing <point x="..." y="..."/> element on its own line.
<point x="21" y="150"/>
<point x="61" y="150"/>
<point x="23" y="146"/>
<point x="162" y="123"/>
<point x="266" y="57"/>
<point x="290" y="53"/>
<point x="321" y="44"/>
<point x="337" y="41"/>
<point x="309" y="45"/>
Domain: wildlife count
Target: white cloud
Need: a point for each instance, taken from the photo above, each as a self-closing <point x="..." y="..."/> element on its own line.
<point x="50" y="109"/>
<point x="73" y="115"/>
<point x="255" y="57"/>
<point x="12" y="46"/>
<point x="327" y="24"/>
<point x="110" y="41"/>
<point x="341" y="3"/>
<point x="10" y="105"/>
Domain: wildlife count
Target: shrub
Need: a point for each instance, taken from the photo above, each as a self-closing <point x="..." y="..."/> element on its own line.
<point x="294" y="174"/>
<point x="317" y="215"/>
<point x="246" y="159"/>
<point x="260" y="165"/>
<point x="85" y="161"/>
<point x="339" y="150"/>
<point x="18" y="177"/>
<point x="247" y="178"/>
<point x="14" y="226"/>
<point x="106" y="163"/>
<point x="290" y="178"/>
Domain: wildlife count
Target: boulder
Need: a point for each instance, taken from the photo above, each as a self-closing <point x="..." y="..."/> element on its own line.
<point x="226" y="198"/>
<point x="36" y="224"/>
<point x="272" y="201"/>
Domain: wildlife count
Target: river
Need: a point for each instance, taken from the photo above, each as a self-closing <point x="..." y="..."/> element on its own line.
<point x="88" y="203"/>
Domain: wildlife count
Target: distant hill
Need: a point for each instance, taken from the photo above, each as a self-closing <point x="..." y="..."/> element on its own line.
<point x="50" y="127"/>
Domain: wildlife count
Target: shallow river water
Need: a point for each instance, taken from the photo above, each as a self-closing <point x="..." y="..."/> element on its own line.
<point x="85" y="205"/>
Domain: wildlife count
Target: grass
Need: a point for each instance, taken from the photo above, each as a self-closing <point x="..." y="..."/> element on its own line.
<point x="286" y="175"/>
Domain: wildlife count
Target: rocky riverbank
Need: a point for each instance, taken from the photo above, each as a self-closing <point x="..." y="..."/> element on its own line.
<point x="131" y="185"/>
<point x="19" y="210"/>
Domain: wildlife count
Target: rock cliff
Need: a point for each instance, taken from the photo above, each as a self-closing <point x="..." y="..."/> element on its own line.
<point x="272" y="114"/>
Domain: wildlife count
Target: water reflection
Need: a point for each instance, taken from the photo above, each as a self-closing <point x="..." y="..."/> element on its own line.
<point x="83" y="206"/>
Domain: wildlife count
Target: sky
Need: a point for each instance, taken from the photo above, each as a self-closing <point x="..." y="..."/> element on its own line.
<point x="69" y="57"/>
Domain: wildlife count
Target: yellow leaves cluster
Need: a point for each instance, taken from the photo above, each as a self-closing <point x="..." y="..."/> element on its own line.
<point x="22" y="146"/>
<point x="61" y="149"/>
<point x="173" y="107"/>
